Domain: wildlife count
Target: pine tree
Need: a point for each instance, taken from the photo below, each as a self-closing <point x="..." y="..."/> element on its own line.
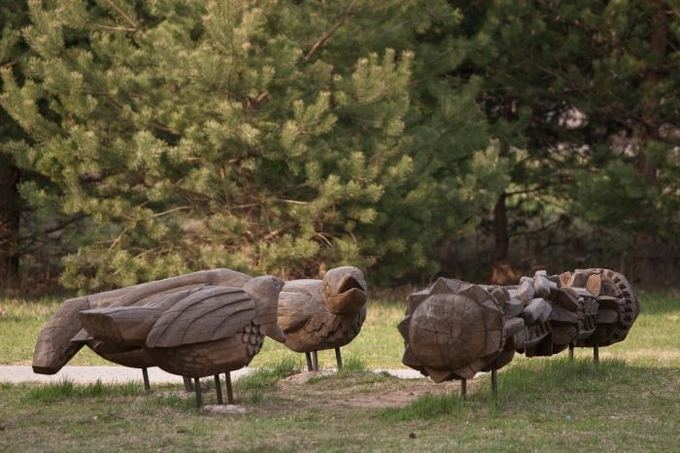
<point x="279" y="137"/>
<point x="12" y="17"/>
<point x="581" y="95"/>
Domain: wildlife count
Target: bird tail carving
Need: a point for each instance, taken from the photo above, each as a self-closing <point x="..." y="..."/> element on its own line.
<point x="264" y="290"/>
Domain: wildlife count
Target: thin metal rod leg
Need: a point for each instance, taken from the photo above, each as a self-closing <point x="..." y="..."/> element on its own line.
<point x="188" y="386"/>
<point x="494" y="382"/>
<point x="218" y="389"/>
<point x="463" y="389"/>
<point x="596" y="354"/>
<point x="145" y="376"/>
<point x="199" y="397"/>
<point x="230" y="391"/>
<point x="571" y="351"/>
<point x="310" y="365"/>
<point x="338" y="358"/>
<point x="315" y="360"/>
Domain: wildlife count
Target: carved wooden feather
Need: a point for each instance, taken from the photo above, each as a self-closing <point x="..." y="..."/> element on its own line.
<point x="210" y="314"/>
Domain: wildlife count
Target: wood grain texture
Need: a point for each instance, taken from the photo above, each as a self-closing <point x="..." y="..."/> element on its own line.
<point x="454" y="332"/>
<point x="210" y="314"/>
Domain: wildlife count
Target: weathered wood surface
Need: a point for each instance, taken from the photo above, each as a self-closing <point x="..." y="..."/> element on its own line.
<point x="454" y="329"/>
<point x="323" y="314"/>
<point x="63" y="335"/>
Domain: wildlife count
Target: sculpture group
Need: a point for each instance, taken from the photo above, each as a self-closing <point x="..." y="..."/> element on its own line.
<point x="212" y="322"/>
<point x="205" y="323"/>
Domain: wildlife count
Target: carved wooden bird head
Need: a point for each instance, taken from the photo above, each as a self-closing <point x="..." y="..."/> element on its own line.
<point x="344" y="289"/>
<point x="265" y="292"/>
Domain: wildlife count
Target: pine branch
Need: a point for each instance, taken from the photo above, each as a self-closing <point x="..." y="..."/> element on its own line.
<point x="326" y="36"/>
<point x="122" y="13"/>
<point x="125" y="29"/>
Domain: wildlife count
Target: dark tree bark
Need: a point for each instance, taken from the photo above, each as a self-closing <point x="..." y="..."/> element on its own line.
<point x="500" y="229"/>
<point x="642" y="269"/>
<point x="10" y="211"/>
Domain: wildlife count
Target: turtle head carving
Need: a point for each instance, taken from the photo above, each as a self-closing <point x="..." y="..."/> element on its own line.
<point x="265" y="292"/>
<point x="344" y="290"/>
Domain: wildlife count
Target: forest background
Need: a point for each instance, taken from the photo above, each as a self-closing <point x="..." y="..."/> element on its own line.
<point x="144" y="139"/>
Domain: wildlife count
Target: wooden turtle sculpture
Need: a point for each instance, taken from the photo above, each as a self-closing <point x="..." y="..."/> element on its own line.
<point x="454" y="329"/>
<point x="194" y="325"/>
<point x="323" y="314"/>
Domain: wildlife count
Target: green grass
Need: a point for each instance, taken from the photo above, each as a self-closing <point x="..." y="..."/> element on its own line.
<point x="630" y="402"/>
<point x="19" y="329"/>
<point x="543" y="404"/>
<point x="268" y="375"/>
<point x="64" y="389"/>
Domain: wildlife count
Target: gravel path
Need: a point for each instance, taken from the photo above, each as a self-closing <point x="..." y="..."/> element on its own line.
<point x="90" y="374"/>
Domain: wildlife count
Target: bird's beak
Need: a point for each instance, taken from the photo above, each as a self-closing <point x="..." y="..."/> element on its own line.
<point x="350" y="296"/>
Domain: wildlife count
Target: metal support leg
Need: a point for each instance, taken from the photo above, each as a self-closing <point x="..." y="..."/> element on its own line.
<point x="218" y="389"/>
<point x="315" y="360"/>
<point x="310" y="365"/>
<point x="199" y="397"/>
<point x="463" y="389"/>
<point x="145" y="376"/>
<point x="571" y="351"/>
<point x="188" y="386"/>
<point x="338" y="358"/>
<point x="494" y="382"/>
<point x="230" y="391"/>
<point x="596" y="354"/>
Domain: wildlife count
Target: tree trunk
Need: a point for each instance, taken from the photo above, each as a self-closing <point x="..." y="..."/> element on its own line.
<point x="658" y="44"/>
<point x="10" y="210"/>
<point x="500" y="228"/>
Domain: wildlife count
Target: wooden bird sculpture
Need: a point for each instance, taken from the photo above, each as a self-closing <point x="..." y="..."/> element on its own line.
<point x="454" y="329"/>
<point x="194" y="325"/>
<point x="323" y="314"/>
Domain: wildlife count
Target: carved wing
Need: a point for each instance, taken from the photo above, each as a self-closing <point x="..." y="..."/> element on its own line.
<point x="208" y="314"/>
<point x="125" y="325"/>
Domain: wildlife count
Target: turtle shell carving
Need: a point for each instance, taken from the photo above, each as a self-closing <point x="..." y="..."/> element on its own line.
<point x="452" y="330"/>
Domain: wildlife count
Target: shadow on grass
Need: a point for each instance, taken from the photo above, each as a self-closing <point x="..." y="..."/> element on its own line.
<point x="544" y="383"/>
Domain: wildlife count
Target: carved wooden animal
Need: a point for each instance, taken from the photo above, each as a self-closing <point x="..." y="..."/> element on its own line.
<point x="454" y="329"/>
<point x="323" y="314"/>
<point x="205" y="331"/>
<point x="193" y="325"/>
<point x="63" y="335"/>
